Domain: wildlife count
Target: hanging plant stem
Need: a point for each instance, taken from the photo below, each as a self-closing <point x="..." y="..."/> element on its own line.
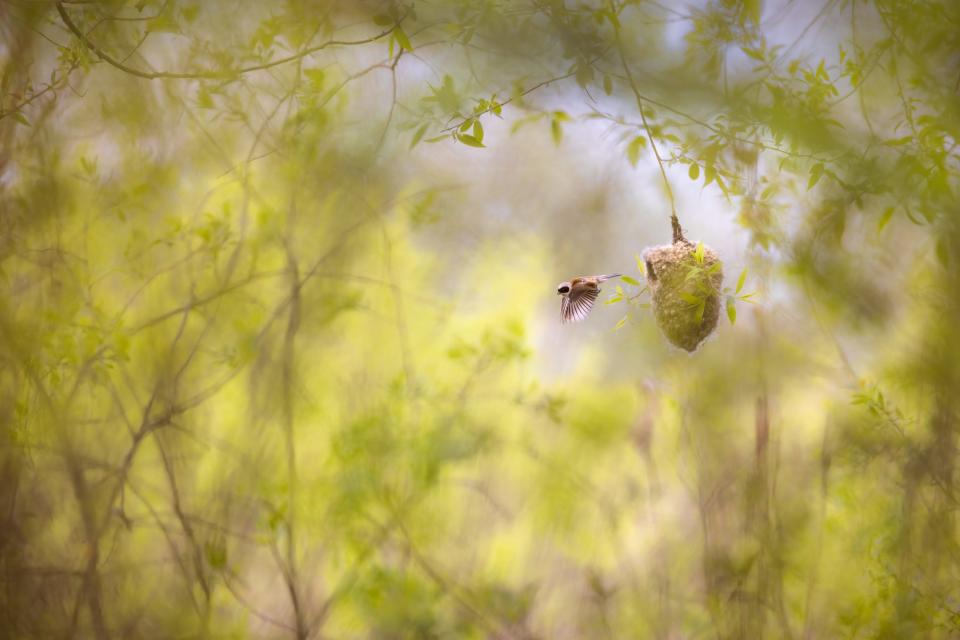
<point x="674" y="220"/>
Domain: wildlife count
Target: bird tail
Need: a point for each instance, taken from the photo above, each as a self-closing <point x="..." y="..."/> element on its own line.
<point x="608" y="277"/>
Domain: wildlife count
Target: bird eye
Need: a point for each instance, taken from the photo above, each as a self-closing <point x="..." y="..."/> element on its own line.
<point x="563" y="289"/>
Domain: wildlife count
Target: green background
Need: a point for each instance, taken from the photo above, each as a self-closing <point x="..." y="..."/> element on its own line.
<point x="281" y="354"/>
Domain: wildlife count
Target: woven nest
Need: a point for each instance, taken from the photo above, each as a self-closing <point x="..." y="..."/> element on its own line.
<point x="686" y="291"/>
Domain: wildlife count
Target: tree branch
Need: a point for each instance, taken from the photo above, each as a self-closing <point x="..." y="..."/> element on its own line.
<point x="207" y="75"/>
<point x="55" y="84"/>
<point x="539" y="85"/>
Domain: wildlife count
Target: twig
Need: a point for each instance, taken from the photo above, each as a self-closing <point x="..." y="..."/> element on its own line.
<point x="732" y="137"/>
<point x="52" y="86"/>
<point x="289" y="355"/>
<point x="539" y="85"/>
<point x="393" y="99"/>
<point x="208" y="75"/>
<point x="674" y="220"/>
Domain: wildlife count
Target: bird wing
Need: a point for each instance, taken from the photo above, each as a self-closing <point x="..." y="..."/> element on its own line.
<point x="576" y="306"/>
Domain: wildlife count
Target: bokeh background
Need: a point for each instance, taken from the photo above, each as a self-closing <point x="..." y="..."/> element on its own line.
<point x="281" y="354"/>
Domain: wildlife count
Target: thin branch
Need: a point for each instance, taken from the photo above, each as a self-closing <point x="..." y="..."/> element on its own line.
<point x="195" y="547"/>
<point x="674" y="220"/>
<point x="208" y="75"/>
<point x="289" y="422"/>
<point x="539" y="85"/>
<point x="249" y="607"/>
<point x="393" y="99"/>
<point x="52" y="86"/>
<point x="171" y="543"/>
<point x="199" y="302"/>
<point x="457" y="593"/>
<point x="731" y="137"/>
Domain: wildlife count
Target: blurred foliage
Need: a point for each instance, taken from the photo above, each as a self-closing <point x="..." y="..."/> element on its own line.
<point x="280" y="355"/>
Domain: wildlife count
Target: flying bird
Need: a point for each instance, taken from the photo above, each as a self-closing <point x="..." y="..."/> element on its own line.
<point x="579" y="295"/>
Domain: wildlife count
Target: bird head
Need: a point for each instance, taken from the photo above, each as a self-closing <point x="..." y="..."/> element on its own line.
<point x="563" y="288"/>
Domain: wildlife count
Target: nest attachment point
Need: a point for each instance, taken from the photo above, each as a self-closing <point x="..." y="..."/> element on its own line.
<point x="685" y="283"/>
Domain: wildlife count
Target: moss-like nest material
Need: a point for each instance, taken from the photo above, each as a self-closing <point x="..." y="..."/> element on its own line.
<point x="686" y="291"/>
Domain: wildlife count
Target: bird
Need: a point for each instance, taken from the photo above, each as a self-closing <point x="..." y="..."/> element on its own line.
<point x="579" y="295"/>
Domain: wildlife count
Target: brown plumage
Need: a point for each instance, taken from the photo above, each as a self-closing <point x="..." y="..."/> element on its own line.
<point x="579" y="294"/>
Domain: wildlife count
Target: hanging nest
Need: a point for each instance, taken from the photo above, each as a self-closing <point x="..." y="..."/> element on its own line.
<point x="685" y="281"/>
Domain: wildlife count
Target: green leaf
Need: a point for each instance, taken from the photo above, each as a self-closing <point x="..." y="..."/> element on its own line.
<point x="22" y="119"/>
<point x="698" y="253"/>
<point x="216" y="554"/>
<point x="607" y="85"/>
<point x="163" y="23"/>
<point x="822" y="70"/>
<point x="418" y="136"/>
<point x="633" y="149"/>
<point x="521" y="122"/>
<point x="612" y="17"/>
<point x="641" y="266"/>
<point x="620" y="324"/>
<point x="437" y="138"/>
<point x="382" y="20"/>
<point x="885" y="218"/>
<point x="690" y="298"/>
<point x="89" y="166"/>
<point x="584" y="75"/>
<point x="478" y="130"/>
<point x="402" y="38"/>
<point x="896" y="142"/>
<point x="732" y="309"/>
<point x="465" y="125"/>
<point x="740" y="281"/>
<point x="316" y="77"/>
<point x="943" y="252"/>
<point x="701" y="308"/>
<point x="722" y="185"/>
<point x="556" y="131"/>
<point x="694" y="171"/>
<point x="630" y="280"/>
<point x="912" y="217"/>
<point x="815" y="173"/>
<point x="469" y="140"/>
